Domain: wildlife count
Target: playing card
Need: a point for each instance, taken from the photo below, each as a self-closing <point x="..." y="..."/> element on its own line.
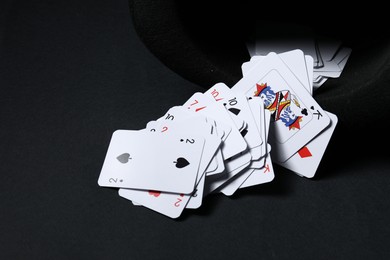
<point x="310" y="70"/>
<point x="194" y="123"/>
<point x="234" y="142"/>
<point x="142" y="160"/>
<point x="237" y="104"/>
<point x="257" y="108"/>
<point x="265" y="124"/>
<point x="297" y="117"/>
<point x="295" y="61"/>
<point x="232" y="167"/>
<point x="218" y="157"/>
<point x="232" y="185"/>
<point x="262" y="175"/>
<point x="306" y="161"/>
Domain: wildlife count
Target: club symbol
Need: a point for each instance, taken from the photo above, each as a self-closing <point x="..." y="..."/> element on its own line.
<point x="124" y="158"/>
<point x="312" y="107"/>
<point x="304" y="111"/>
<point x="181" y="162"/>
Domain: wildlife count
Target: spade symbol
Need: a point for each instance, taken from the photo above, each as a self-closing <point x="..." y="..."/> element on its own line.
<point x="181" y="162"/>
<point x="234" y="110"/>
<point x="244" y="132"/>
<point x="304" y="111"/>
<point x="123" y="158"/>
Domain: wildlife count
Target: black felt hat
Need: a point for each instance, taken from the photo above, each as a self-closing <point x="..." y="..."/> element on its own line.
<point x="206" y="43"/>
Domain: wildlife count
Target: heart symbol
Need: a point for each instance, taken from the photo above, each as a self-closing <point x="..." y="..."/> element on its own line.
<point x="154" y="193"/>
<point x="123" y="158"/>
<point x="304" y="111"/>
<point x="181" y="162"/>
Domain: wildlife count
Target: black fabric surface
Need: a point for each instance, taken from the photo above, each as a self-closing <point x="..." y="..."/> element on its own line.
<point x="72" y="72"/>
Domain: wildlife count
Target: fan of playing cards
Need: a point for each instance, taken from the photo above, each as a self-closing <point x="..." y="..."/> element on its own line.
<point x="222" y="140"/>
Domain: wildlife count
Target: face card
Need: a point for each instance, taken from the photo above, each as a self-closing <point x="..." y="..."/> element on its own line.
<point x="297" y="117"/>
<point x="306" y="161"/>
<point x="141" y="160"/>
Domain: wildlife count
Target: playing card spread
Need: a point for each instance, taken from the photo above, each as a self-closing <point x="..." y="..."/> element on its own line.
<point x="222" y="140"/>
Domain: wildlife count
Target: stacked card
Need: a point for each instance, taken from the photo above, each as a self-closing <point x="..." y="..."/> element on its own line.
<point x="329" y="56"/>
<point x="220" y="141"/>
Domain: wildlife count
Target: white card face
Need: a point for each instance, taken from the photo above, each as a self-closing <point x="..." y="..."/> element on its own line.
<point x="212" y="184"/>
<point x="257" y="107"/>
<point x="306" y="161"/>
<point x="232" y="167"/>
<point x="297" y="117"/>
<point x="197" y="198"/>
<point x="265" y="124"/>
<point x="221" y="93"/>
<point x="197" y="125"/>
<point x="238" y="105"/>
<point x="234" y="142"/>
<point x="218" y="155"/>
<point x="234" y="184"/>
<point x="169" y="204"/>
<point x="310" y="70"/>
<point x="142" y="160"/>
<point x="295" y="61"/>
<point x="262" y="175"/>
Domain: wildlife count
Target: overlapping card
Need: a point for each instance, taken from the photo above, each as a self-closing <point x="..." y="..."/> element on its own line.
<point x="329" y="56"/>
<point x="224" y="139"/>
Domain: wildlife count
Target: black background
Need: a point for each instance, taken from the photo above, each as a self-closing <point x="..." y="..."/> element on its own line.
<point x="73" y="72"/>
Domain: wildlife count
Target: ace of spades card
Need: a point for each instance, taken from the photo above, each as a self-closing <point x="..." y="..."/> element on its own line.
<point x="296" y="116"/>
